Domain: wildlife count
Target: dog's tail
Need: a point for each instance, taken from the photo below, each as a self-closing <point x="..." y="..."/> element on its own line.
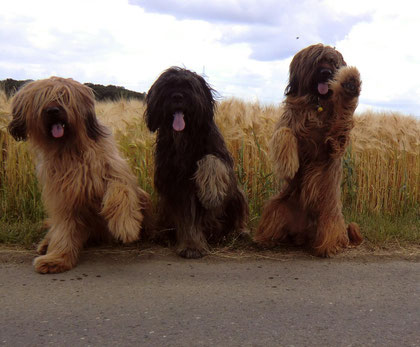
<point x="273" y="223"/>
<point x="355" y="237"/>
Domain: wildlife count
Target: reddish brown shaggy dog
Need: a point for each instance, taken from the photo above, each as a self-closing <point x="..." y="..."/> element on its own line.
<point x="88" y="190"/>
<point x="307" y="149"/>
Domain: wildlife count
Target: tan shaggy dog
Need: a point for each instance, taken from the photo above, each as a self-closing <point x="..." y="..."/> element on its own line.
<point x="88" y="189"/>
<point x="307" y="149"/>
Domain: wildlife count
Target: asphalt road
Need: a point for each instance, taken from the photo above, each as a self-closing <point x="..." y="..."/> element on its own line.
<point x="126" y="298"/>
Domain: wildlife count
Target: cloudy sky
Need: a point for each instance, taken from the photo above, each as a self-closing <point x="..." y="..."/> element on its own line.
<point x="243" y="47"/>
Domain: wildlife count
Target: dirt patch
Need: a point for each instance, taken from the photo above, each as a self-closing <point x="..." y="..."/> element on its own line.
<point x="128" y="254"/>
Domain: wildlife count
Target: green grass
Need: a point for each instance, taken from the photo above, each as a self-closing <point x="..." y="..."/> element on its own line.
<point x="382" y="230"/>
<point x="24" y="232"/>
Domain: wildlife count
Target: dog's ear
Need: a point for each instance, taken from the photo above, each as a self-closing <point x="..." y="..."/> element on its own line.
<point x="17" y="127"/>
<point x="151" y="114"/>
<point x="94" y="129"/>
<point x="209" y="95"/>
<point x="152" y="121"/>
<point x="293" y="86"/>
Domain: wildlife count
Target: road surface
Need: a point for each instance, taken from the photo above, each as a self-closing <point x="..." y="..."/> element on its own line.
<point x="149" y="298"/>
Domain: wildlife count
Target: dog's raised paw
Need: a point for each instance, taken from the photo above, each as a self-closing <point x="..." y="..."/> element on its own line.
<point x="191" y="253"/>
<point x="351" y="86"/>
<point x="349" y="79"/>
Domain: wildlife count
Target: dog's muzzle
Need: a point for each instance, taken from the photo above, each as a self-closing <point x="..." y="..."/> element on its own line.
<point x="177" y="101"/>
<point x="56" y="125"/>
<point x="325" y="76"/>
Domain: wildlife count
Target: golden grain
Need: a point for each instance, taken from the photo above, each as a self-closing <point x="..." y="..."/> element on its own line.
<point x="381" y="167"/>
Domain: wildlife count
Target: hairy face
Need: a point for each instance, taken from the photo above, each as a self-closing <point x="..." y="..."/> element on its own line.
<point x="311" y="69"/>
<point x="55" y="111"/>
<point x="179" y="100"/>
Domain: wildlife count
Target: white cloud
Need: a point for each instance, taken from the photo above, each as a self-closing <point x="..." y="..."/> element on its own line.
<point x="385" y="52"/>
<point x="274" y="29"/>
<point x="244" y="47"/>
<point x="220" y="11"/>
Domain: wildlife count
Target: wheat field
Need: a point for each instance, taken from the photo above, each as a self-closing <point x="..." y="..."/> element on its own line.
<point x="381" y="167"/>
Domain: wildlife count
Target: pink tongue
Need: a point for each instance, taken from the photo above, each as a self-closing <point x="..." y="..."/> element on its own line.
<point x="322" y="88"/>
<point x="57" y="130"/>
<point x="179" y="123"/>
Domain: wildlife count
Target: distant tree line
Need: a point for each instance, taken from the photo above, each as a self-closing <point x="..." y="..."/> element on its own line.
<point x="11" y="86"/>
<point x="110" y="92"/>
<point x="113" y="93"/>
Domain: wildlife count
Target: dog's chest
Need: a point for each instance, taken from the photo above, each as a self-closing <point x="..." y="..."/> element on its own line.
<point x="312" y="144"/>
<point x="72" y="180"/>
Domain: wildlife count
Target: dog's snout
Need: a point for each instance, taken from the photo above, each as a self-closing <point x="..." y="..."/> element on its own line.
<point x="177" y="97"/>
<point x="326" y="72"/>
<point x="52" y="110"/>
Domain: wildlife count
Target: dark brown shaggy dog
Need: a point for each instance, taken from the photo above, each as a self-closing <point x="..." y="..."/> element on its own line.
<point x="88" y="189"/>
<point x="194" y="176"/>
<point x="307" y="149"/>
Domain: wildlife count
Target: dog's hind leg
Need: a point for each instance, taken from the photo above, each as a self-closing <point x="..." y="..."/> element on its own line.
<point x="65" y="240"/>
<point x="43" y="245"/>
<point x="121" y="209"/>
<point x="236" y="213"/>
<point x="354" y="234"/>
<point x="275" y="221"/>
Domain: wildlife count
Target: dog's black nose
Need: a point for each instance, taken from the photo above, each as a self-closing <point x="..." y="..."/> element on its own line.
<point x="52" y="110"/>
<point x="326" y="73"/>
<point x="177" y="97"/>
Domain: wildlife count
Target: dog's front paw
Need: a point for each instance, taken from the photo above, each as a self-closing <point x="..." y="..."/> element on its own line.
<point x="348" y="78"/>
<point x="129" y="235"/>
<point x="126" y="228"/>
<point x="191" y="253"/>
<point x="52" y="264"/>
<point x="352" y="87"/>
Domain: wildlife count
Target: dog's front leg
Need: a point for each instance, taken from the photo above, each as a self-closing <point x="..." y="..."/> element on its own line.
<point x="284" y="153"/>
<point x="191" y="241"/>
<point x="212" y="181"/>
<point x="346" y="90"/>
<point x="121" y="209"/>
<point x="65" y="240"/>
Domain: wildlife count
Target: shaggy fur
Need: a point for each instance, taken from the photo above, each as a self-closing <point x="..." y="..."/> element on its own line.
<point x="194" y="176"/>
<point x="307" y="147"/>
<point x="88" y="189"/>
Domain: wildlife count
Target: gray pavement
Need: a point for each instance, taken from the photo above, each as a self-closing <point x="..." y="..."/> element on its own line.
<point x="130" y="298"/>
